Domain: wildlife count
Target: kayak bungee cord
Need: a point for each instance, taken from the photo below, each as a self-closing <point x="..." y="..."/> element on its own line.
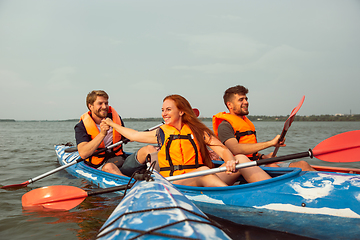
<point x="141" y="175"/>
<point x="152" y="231"/>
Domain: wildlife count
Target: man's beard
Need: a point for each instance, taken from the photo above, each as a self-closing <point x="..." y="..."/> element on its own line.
<point x="101" y="114"/>
<point x="241" y="112"/>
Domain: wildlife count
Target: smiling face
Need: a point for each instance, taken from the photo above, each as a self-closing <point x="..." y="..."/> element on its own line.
<point x="239" y="105"/>
<point x="99" y="108"/>
<point x="171" y="114"/>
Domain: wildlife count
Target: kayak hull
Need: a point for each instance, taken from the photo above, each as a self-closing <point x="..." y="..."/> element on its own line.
<point x="157" y="210"/>
<point x="292" y="201"/>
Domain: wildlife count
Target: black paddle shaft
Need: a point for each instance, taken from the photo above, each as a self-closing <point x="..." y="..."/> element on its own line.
<point x="110" y="189"/>
<point x="74" y="149"/>
<point x="284" y="158"/>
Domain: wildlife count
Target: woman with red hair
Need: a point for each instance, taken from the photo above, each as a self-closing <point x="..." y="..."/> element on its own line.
<point x="184" y="142"/>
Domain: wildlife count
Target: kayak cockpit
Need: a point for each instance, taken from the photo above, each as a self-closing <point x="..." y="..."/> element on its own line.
<point x="275" y="173"/>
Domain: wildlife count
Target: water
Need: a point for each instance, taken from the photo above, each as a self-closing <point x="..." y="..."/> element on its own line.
<point x="27" y="151"/>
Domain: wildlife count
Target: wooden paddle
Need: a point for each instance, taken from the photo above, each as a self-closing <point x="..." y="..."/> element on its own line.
<point x="59" y="197"/>
<point x="288" y="124"/>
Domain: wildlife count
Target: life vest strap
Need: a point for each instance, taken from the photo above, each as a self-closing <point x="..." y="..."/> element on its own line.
<point x="178" y="136"/>
<point x="106" y="155"/>
<point x="238" y="135"/>
<point x="242" y="134"/>
<point x="172" y="167"/>
<point x="255" y="156"/>
<point x="180" y="167"/>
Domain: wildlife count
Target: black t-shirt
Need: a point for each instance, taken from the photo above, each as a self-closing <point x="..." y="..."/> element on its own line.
<point x="160" y="136"/>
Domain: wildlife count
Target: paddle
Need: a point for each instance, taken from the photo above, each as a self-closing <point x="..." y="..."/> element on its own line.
<point x="31" y="180"/>
<point x="345" y="147"/>
<point x="196" y="111"/>
<point x="288" y="124"/>
<point x="24" y="184"/>
<point x="60" y="197"/>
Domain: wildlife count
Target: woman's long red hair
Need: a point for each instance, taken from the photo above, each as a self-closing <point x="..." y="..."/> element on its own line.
<point x="197" y="127"/>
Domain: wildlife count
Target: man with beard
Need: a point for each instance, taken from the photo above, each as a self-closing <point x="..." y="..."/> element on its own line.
<point x="238" y="133"/>
<point x="91" y="134"/>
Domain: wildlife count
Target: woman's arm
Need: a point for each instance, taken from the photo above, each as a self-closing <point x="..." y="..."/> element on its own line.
<point x="131" y="134"/>
<point x="221" y="150"/>
<point x="251" y="174"/>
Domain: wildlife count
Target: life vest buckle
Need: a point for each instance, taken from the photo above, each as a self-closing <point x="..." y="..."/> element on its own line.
<point x="176" y="136"/>
<point x="178" y="167"/>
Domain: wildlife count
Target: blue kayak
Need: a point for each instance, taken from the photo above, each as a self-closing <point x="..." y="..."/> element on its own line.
<point x="322" y="205"/>
<point x="155" y="209"/>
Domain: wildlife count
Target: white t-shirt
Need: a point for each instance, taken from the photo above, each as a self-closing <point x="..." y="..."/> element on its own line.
<point x="109" y="136"/>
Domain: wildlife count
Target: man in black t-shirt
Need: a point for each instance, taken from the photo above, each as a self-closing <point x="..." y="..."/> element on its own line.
<point x="91" y="133"/>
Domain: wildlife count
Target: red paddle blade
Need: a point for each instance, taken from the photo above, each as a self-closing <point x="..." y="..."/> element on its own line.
<point x="292" y="114"/>
<point x="24" y="184"/>
<point x="54" y="197"/>
<point x="196" y="111"/>
<point x="343" y="147"/>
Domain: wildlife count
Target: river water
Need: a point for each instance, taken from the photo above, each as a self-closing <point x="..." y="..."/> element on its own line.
<point x="27" y="151"/>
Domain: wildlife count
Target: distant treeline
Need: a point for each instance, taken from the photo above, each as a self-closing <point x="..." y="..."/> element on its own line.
<point x="312" y="118"/>
<point x="142" y="119"/>
<point x="7" y="120"/>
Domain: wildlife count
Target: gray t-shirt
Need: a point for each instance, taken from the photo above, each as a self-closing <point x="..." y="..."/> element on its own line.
<point x="225" y="131"/>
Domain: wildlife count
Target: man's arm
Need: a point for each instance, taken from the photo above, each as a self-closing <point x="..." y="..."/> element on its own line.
<point x="87" y="148"/>
<point x="226" y="136"/>
<point x="246" y="148"/>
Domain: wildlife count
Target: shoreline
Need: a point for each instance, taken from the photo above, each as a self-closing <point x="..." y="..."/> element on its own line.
<point x="312" y="118"/>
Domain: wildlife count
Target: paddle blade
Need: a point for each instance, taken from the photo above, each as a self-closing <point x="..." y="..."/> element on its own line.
<point x="196" y="111"/>
<point x="54" y="197"/>
<point x="287" y="124"/>
<point x="24" y="184"/>
<point x="344" y="147"/>
<point x="292" y="114"/>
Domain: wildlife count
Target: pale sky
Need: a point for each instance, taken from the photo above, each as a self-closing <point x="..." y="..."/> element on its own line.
<point x="52" y="53"/>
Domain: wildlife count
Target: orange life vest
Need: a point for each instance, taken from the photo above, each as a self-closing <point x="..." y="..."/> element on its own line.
<point x="91" y="128"/>
<point x="244" y="129"/>
<point x="179" y="152"/>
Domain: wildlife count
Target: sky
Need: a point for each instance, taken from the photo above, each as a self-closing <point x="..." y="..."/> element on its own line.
<point x="53" y="53"/>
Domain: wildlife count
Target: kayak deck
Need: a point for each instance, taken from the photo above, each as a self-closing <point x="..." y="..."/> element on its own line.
<point x="157" y="210"/>
<point x="336" y="169"/>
